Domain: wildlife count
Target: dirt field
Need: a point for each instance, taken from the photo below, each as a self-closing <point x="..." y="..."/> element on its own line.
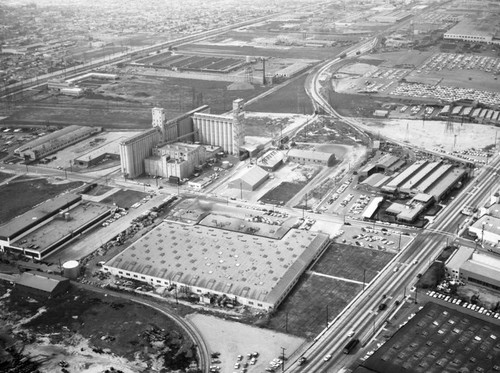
<point x="232" y="339"/>
<point x="435" y="134"/>
<point x="19" y="197"/>
<point x="93" y="332"/>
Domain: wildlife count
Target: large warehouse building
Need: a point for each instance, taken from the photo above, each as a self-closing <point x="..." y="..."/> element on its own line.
<point x="49" y="226"/>
<point x="255" y="271"/>
<point x="55" y="141"/>
<point x="311" y="157"/>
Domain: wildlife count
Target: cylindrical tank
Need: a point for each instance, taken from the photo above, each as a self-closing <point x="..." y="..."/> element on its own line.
<point x="225" y="165"/>
<point x="71" y="269"/>
<point x="249" y="59"/>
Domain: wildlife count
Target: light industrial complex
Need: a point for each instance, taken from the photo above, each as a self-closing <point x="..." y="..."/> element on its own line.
<point x="254" y="271"/>
<point x="50" y="225"/>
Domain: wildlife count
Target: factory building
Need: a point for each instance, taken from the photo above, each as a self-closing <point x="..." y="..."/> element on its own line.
<point x="226" y="131"/>
<point x="311" y="157"/>
<point x="386" y="163"/>
<point x="271" y="161"/>
<point x="55" y="141"/>
<point x="51" y="225"/>
<point x="486" y="228"/>
<point x="206" y="261"/>
<point x="198" y="125"/>
<point x="176" y="159"/>
<point x="178" y="128"/>
<point x="466" y="265"/>
<point x="467" y="30"/>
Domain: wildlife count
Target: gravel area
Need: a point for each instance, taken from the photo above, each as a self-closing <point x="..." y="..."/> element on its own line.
<point x="232" y="339"/>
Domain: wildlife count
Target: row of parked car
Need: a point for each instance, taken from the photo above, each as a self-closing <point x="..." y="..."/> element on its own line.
<point x="459" y="302"/>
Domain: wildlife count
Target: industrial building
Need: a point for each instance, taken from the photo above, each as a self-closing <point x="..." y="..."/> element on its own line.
<point x="456" y="260"/>
<point x="311" y="157"/>
<point x="433" y="178"/>
<point x="55" y="141"/>
<point x="254" y="271"/>
<point x="226" y="131"/>
<point x="251" y="179"/>
<point x="49" y="226"/>
<point x="40" y="284"/>
<point x="198" y="125"/>
<point x="467" y="265"/>
<point x="271" y="160"/>
<point x="467" y="30"/>
<point x="486" y="228"/>
<point x="176" y="159"/>
<point x="93" y="157"/>
<point x="386" y="163"/>
<point x="438" y="339"/>
<point x="135" y="150"/>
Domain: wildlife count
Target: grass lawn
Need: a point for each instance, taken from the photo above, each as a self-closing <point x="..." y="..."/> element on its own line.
<point x="124" y="198"/>
<point x="17" y="198"/>
<point x="306" y="306"/>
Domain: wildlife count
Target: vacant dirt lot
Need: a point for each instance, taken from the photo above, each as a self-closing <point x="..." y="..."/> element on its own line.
<point x="93" y="332"/>
<point x="232" y="339"/>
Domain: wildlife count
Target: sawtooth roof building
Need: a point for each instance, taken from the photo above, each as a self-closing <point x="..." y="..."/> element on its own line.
<point x="254" y="271"/>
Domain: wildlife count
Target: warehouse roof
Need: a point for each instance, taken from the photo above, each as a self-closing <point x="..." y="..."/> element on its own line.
<point x="484" y="265"/>
<point x="36" y="214"/>
<point x="491" y="224"/>
<point x="229" y="262"/>
<point x="40" y="281"/>
<point x="254" y="176"/>
<point x="459" y="257"/>
<point x="310" y="154"/>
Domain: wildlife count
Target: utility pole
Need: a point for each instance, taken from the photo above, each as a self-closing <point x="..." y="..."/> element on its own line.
<point x="327" y="315"/>
<point x="364" y="278"/>
<point x="283" y="359"/>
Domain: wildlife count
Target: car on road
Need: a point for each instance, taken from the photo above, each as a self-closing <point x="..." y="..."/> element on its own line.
<point x="351" y="333"/>
<point x="302" y="360"/>
<point x="327" y="357"/>
<point x="382" y="306"/>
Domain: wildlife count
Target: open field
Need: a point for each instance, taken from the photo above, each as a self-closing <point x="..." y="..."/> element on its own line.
<point x="437" y="135"/>
<point x="306" y="307"/>
<point x="93" y="332"/>
<point x="352" y="262"/>
<point x="292" y="98"/>
<point x="19" y="197"/>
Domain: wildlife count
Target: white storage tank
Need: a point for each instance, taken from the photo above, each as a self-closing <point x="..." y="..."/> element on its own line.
<point x="71" y="269"/>
<point x="225" y="165"/>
